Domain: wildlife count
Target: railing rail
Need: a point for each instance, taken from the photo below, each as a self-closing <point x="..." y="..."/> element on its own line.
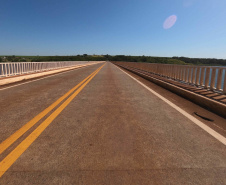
<point x="18" y="68"/>
<point x="209" y="77"/>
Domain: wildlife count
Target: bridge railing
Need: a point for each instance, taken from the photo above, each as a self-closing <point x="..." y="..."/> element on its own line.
<point x="18" y="68"/>
<point x="213" y="78"/>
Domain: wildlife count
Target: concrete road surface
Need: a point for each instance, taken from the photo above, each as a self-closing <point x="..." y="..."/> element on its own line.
<point x="108" y="129"/>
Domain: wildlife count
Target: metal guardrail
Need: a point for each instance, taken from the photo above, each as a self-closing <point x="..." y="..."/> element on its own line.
<point x="18" y="68"/>
<point x="208" y="77"/>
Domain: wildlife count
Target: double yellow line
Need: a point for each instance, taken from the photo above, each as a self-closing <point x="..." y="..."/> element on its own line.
<point x="17" y="152"/>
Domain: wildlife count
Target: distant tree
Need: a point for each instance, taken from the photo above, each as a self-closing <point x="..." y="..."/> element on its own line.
<point x="22" y="60"/>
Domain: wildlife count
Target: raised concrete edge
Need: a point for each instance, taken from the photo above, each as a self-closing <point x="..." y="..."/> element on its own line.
<point x="19" y="78"/>
<point x="209" y="104"/>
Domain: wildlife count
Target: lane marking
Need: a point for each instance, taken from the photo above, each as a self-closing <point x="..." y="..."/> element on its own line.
<point x="209" y="130"/>
<point x="22" y="147"/>
<point x="11" y="139"/>
<point x="45" y="77"/>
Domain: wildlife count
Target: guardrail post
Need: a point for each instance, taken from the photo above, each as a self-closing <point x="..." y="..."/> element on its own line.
<point x="176" y="72"/>
<point x="194" y="75"/>
<point x="186" y="74"/>
<point x="197" y="76"/>
<point x="190" y="75"/>
<point x="2" y="73"/>
<point x="207" y="78"/>
<point x="213" y="77"/>
<point x="219" y="79"/>
<point x="224" y="85"/>
<point x="180" y="73"/>
<point x="202" y="76"/>
<point x="10" y="71"/>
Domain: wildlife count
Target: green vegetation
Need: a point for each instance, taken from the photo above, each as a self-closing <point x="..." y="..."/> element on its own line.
<point x="203" y="61"/>
<point x="13" y="58"/>
<point x="169" y="60"/>
<point x="148" y="59"/>
<point x="83" y="57"/>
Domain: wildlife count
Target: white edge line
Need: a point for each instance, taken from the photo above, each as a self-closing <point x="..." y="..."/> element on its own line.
<point x="212" y="132"/>
<point x="58" y="73"/>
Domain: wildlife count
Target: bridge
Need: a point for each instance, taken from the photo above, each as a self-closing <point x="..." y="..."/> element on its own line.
<point x="112" y="123"/>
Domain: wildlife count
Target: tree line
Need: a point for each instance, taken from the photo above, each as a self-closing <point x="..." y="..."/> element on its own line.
<point x="170" y="60"/>
<point x="127" y="58"/>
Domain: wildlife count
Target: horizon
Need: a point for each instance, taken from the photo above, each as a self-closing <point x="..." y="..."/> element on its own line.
<point x="105" y="55"/>
<point x="189" y="28"/>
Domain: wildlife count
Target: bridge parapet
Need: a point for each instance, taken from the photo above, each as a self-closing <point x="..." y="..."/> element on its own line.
<point x="208" y="77"/>
<point x="18" y="68"/>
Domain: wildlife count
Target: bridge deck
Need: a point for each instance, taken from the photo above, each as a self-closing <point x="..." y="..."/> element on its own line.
<point x="113" y="131"/>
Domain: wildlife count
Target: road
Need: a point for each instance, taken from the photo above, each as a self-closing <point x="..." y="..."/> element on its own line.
<point x="108" y="130"/>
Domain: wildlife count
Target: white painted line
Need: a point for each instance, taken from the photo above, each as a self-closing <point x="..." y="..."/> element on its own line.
<point x="212" y="132"/>
<point x="59" y="73"/>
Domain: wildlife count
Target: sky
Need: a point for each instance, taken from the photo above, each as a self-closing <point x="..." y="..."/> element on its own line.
<point x="166" y="28"/>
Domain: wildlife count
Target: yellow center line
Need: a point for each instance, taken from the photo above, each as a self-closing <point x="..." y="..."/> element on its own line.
<point x="11" y="139"/>
<point x="20" y="149"/>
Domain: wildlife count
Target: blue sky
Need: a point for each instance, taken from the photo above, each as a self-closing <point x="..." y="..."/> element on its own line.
<point x="129" y="27"/>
